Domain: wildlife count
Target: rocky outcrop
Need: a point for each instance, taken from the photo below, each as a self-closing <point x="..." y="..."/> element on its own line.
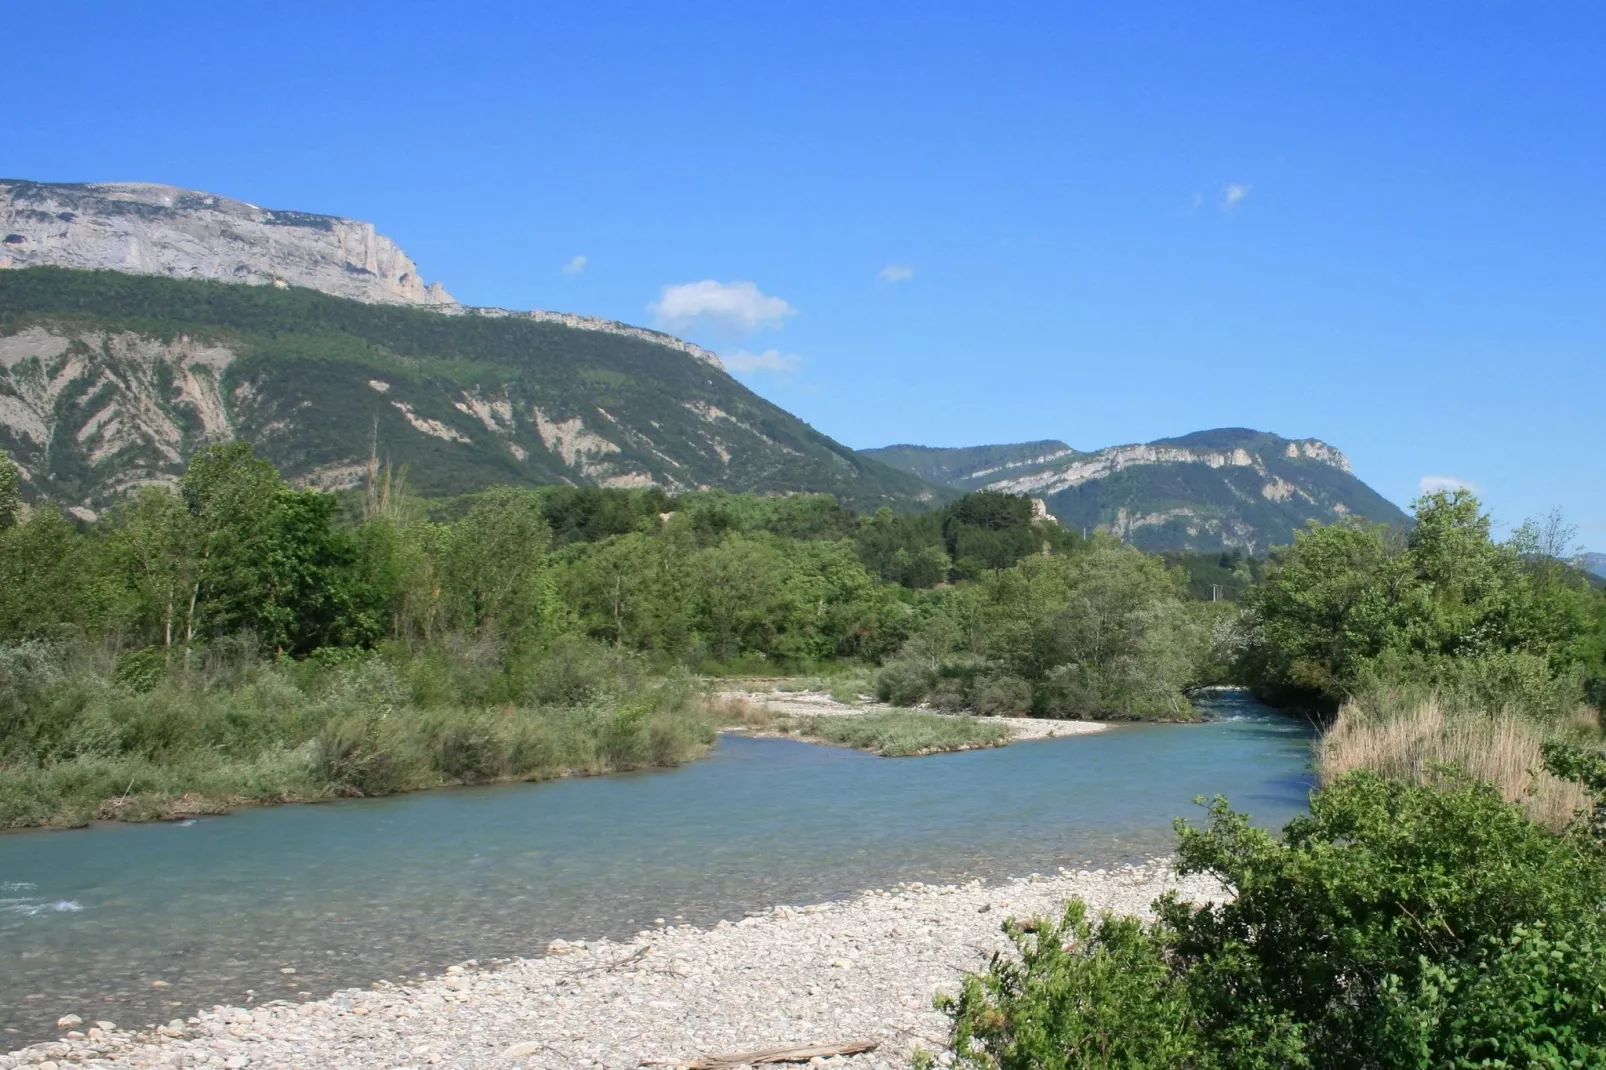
<point x="149" y="229"/>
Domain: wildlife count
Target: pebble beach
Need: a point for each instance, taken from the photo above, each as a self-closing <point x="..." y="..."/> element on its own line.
<point x="859" y="970"/>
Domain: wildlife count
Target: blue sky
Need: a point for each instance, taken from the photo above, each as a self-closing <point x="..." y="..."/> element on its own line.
<point x="1382" y="225"/>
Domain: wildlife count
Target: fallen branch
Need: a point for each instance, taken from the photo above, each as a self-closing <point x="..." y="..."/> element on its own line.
<point x="609" y="967"/>
<point x="772" y="1055"/>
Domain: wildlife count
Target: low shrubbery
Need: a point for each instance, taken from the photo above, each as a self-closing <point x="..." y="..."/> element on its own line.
<point x="1397" y="925"/>
<point x="81" y="736"/>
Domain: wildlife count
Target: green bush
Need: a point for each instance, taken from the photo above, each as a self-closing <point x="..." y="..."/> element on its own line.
<point x="1004" y="696"/>
<point x="902" y="683"/>
<point x="1395" y="925"/>
<point x="141" y="670"/>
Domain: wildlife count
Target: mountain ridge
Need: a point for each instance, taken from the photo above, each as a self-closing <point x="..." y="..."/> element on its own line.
<point x="1230" y="488"/>
<point x="109" y="380"/>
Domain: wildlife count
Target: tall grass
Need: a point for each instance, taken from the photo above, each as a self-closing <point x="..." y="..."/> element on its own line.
<point x="81" y="738"/>
<point x="1410" y="739"/>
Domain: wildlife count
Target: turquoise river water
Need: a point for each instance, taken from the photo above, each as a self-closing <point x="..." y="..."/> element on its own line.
<point x="345" y="893"/>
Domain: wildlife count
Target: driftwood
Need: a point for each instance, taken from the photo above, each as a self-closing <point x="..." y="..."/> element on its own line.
<point x="609" y="967"/>
<point x="793" y="1054"/>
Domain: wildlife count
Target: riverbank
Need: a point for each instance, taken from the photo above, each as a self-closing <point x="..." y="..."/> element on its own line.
<point x="820" y="717"/>
<point x="861" y="969"/>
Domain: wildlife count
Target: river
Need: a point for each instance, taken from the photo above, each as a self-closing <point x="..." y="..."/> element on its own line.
<point x="143" y="923"/>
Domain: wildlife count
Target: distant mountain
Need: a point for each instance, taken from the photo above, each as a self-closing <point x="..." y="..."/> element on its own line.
<point x="1229" y="488"/>
<point x="1594" y="564"/>
<point x="970" y="467"/>
<point x="109" y="381"/>
<point x="148" y="321"/>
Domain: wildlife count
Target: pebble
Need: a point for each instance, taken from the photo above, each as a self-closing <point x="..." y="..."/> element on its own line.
<point x="865" y="968"/>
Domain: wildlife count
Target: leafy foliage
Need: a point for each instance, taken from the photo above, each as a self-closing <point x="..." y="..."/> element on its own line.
<point x="1396" y="925"/>
<point x="1445" y="606"/>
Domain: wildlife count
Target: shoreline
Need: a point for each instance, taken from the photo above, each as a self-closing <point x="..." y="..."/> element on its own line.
<point x="862" y="968"/>
<point x="789" y="705"/>
<point x="192" y="804"/>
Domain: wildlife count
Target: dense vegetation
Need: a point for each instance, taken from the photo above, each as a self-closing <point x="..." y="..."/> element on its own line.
<point x="228" y="636"/>
<point x="237" y="639"/>
<point x="1397" y="925"/>
<point x="1444" y="904"/>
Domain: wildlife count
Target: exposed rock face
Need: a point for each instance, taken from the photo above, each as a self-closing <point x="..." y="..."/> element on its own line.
<point x="1228" y="488"/>
<point x="150" y="229"/>
<point x="109" y="382"/>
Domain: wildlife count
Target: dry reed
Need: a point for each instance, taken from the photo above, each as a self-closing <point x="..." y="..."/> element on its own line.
<point x="1502" y="751"/>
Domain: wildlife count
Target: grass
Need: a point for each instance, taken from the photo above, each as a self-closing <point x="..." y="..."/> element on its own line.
<point x="76" y="744"/>
<point x="1409" y="742"/>
<point x="898" y="734"/>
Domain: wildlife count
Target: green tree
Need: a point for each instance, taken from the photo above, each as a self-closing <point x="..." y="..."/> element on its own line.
<point x="10" y="492"/>
<point x="270" y="562"/>
<point x="492" y="563"/>
<point x="155" y="537"/>
<point x="52" y="579"/>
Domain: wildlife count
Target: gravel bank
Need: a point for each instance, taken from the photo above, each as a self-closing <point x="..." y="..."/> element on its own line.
<point x="821" y="704"/>
<point x="861" y="969"/>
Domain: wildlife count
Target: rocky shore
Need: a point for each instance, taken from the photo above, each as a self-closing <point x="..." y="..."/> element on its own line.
<point x="860" y="970"/>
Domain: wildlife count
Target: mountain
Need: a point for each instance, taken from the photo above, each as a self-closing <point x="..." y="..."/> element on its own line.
<point x="1230" y="488"/>
<point x="110" y="380"/>
<point x="149" y="229"/>
<point x="970" y="467"/>
<point x="1594" y="564"/>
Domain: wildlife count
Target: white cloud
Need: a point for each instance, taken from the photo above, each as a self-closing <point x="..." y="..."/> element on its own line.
<point x="1434" y="484"/>
<point x="575" y="266"/>
<point x="771" y="360"/>
<point x="1235" y="192"/>
<point x="897" y="273"/>
<point x="735" y="306"/>
<point x="1195" y="202"/>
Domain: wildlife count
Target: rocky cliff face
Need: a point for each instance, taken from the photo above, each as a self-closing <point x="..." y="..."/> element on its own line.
<point x="149" y="229"/>
<point x="1231" y="488"/>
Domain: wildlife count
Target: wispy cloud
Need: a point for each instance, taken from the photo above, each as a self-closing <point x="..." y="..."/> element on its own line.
<point x="897" y="273"/>
<point x="770" y="360"/>
<point x="739" y="307"/>
<point x="1434" y="484"/>
<point x="1235" y="192"/>
<point x="1195" y="202"/>
<point x="575" y="266"/>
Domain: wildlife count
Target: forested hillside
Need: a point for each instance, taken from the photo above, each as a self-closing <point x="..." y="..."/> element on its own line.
<point x="109" y="381"/>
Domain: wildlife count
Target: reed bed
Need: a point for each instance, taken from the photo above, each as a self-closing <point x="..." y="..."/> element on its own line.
<point x="1415" y="742"/>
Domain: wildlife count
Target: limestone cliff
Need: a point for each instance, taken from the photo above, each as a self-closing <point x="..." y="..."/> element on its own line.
<point x="150" y="229"/>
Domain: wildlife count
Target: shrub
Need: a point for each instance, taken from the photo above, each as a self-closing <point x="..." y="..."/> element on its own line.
<point x="902" y="683"/>
<point x="467" y="749"/>
<point x="141" y="670"/>
<point x="1004" y="696"/>
<point x="352" y="759"/>
<point x="1395" y="925"/>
